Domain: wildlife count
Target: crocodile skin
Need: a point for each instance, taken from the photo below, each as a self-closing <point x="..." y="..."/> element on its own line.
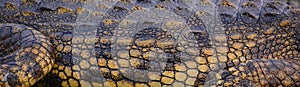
<point x="149" y="43"/>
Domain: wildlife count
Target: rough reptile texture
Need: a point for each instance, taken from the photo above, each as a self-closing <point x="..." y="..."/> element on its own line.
<point x="149" y="43"/>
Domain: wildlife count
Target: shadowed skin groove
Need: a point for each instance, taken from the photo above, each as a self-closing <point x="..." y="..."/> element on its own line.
<point x="235" y="43"/>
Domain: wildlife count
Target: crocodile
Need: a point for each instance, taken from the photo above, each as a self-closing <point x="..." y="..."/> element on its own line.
<point x="149" y="43"/>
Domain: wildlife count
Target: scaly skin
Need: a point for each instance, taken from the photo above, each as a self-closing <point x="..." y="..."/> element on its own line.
<point x="149" y="43"/>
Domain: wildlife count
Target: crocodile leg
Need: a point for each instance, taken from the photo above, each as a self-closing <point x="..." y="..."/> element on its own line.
<point x="26" y="55"/>
<point x="266" y="72"/>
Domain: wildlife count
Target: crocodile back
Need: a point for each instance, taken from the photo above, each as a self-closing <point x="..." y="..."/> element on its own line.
<point x="156" y="42"/>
